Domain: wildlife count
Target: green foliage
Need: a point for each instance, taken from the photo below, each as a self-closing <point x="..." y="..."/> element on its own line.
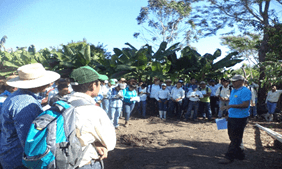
<point x="247" y="45"/>
<point x="165" y="20"/>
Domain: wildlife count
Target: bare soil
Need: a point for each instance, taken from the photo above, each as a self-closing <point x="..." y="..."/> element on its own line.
<point x="154" y="143"/>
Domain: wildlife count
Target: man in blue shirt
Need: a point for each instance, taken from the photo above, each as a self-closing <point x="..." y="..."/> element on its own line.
<point x="19" y="110"/>
<point x="238" y="112"/>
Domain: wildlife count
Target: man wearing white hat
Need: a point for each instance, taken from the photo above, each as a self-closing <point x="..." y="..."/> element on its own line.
<point x="20" y="109"/>
<point x="238" y="112"/>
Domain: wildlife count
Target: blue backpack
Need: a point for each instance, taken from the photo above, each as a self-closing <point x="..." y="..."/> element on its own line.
<point x="51" y="141"/>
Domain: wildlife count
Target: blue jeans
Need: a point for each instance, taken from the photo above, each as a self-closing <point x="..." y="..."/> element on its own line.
<point x="114" y="115"/>
<point x="178" y="106"/>
<point x="142" y="104"/>
<point x="192" y="105"/>
<point x="128" y="107"/>
<point x="162" y="105"/>
<point x="94" y="165"/>
<point x="221" y="104"/>
<point x="205" y="109"/>
<point x="106" y="104"/>
<point x="271" y="107"/>
<point x="253" y="111"/>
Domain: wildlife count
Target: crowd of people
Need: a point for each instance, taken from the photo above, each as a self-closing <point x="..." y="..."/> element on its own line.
<point x="35" y="90"/>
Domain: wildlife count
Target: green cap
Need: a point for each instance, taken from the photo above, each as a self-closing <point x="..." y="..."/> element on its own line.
<point x="112" y="81"/>
<point x="86" y="74"/>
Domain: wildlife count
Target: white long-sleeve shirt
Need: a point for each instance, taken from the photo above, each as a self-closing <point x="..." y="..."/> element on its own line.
<point x="213" y="90"/>
<point x="104" y="90"/>
<point x="92" y="125"/>
<point x="143" y="97"/>
<point x="273" y="96"/>
<point x="162" y="94"/>
<point x="154" y="90"/>
<point x="194" y="95"/>
<point x="177" y="93"/>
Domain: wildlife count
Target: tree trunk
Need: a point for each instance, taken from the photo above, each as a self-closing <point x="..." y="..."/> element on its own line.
<point x="262" y="55"/>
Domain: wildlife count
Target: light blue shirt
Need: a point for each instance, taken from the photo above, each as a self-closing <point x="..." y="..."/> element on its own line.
<point x="238" y="96"/>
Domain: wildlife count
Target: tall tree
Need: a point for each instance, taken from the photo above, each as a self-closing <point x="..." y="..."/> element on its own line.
<point x="246" y="45"/>
<point x="165" y="20"/>
<point x="247" y="15"/>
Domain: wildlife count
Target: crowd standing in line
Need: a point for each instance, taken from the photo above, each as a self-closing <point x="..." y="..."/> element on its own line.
<point x="31" y="93"/>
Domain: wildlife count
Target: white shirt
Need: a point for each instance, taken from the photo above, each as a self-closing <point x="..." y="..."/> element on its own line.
<point x="224" y="93"/>
<point x="273" y="96"/>
<point x="143" y="97"/>
<point x="194" y="95"/>
<point x="213" y="90"/>
<point x="162" y="94"/>
<point x="177" y="93"/>
<point x="104" y="90"/>
<point x="92" y="125"/>
<point x="154" y="90"/>
<point x="169" y="88"/>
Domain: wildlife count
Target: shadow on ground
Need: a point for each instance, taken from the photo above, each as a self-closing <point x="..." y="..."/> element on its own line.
<point x="186" y="154"/>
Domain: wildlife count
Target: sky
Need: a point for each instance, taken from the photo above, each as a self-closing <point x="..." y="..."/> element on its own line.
<point x="46" y="23"/>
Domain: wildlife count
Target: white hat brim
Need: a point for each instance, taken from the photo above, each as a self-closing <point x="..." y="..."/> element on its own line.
<point x="48" y="78"/>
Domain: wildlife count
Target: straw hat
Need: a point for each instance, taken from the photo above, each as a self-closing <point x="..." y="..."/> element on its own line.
<point x="32" y="76"/>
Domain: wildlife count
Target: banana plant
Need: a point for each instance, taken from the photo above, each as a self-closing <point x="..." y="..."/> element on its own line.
<point x="12" y="61"/>
<point x="130" y="62"/>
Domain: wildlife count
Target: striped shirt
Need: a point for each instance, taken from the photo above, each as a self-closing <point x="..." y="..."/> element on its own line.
<point x="115" y="100"/>
<point x="18" y="112"/>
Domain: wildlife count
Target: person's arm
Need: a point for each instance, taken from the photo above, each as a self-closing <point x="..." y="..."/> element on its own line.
<point x="157" y="96"/>
<point x="182" y="94"/>
<point x="245" y="104"/>
<point x="217" y="93"/>
<point x="208" y="94"/>
<point x="255" y="85"/>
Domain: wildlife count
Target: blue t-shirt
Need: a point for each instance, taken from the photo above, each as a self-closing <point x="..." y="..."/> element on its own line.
<point x="238" y="96"/>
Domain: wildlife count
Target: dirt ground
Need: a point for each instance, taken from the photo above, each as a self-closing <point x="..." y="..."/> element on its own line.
<point x="154" y="143"/>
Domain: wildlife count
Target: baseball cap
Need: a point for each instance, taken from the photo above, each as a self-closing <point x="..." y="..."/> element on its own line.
<point x="112" y="81"/>
<point x="237" y="77"/>
<point x="202" y="82"/>
<point x="86" y="74"/>
<point x="163" y="84"/>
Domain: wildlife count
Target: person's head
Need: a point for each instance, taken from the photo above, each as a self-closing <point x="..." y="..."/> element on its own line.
<point x="181" y="81"/>
<point x="237" y="81"/>
<point x="131" y="87"/>
<point x="212" y="82"/>
<point x="33" y="77"/>
<point x="7" y="87"/>
<point x="273" y="88"/>
<point x="156" y="81"/>
<point x="168" y="82"/>
<point x="143" y="86"/>
<point x="140" y="83"/>
<point x="63" y="89"/>
<point x="87" y="80"/>
<point x="222" y="80"/>
<point x="111" y="82"/>
<point x="193" y="81"/>
<point x="122" y="80"/>
<point x="118" y="87"/>
<point x="203" y="84"/>
<point x="178" y="84"/>
<point x="225" y="83"/>
<point x="163" y="86"/>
